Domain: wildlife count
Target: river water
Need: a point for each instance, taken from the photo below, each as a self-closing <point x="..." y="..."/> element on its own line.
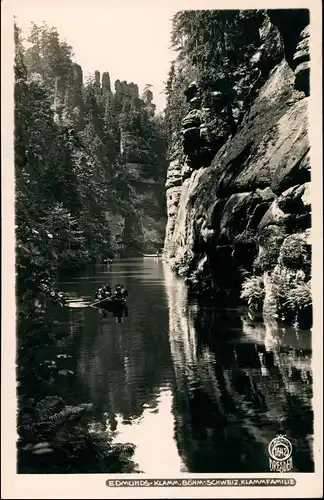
<point x="195" y="390"/>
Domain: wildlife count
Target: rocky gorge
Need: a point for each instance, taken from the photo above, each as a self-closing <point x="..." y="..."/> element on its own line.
<point x="238" y="185"/>
<point x="126" y="116"/>
<point x="222" y="176"/>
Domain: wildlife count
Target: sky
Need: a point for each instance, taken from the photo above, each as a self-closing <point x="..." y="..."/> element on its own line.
<point x="129" y="39"/>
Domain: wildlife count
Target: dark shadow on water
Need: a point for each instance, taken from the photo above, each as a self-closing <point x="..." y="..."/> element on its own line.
<point x="118" y="312"/>
<point x="214" y="386"/>
<point x="239" y="382"/>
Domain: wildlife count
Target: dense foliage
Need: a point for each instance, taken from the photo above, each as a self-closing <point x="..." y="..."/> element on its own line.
<point x="287" y="262"/>
<point x="76" y="145"/>
<point x="215" y="49"/>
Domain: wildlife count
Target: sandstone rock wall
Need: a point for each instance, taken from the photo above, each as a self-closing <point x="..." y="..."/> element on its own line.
<point x="230" y="217"/>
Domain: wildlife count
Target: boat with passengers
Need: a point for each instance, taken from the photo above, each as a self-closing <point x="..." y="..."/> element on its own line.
<point x="106" y="297"/>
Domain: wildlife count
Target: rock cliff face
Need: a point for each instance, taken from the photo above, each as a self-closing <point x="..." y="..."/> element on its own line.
<point x="142" y="229"/>
<point x="238" y="203"/>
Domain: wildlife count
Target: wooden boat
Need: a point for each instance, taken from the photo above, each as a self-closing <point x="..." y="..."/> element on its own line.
<point x="110" y="303"/>
<point x="152" y="255"/>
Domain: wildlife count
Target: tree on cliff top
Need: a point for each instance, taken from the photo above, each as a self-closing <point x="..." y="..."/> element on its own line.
<point x="47" y="54"/>
<point x="68" y="141"/>
<point x="216" y="47"/>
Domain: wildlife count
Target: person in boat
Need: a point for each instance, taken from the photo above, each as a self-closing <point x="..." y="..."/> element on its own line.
<point x="122" y="291"/>
<point x="119" y="292"/>
<point x="107" y="290"/>
<point x="113" y="292"/>
<point x="103" y="292"/>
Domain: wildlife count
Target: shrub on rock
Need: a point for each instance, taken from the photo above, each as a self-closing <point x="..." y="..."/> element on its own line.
<point x="295" y="252"/>
<point x="253" y="292"/>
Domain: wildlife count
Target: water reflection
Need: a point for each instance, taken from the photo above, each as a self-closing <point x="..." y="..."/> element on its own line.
<point x="239" y="382"/>
<point x="118" y="312"/>
<point x="152" y="434"/>
<point x="125" y="366"/>
<point x="202" y="390"/>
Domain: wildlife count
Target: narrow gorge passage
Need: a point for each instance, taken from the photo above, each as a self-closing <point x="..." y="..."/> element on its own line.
<point x="163" y="220"/>
<point x="186" y="386"/>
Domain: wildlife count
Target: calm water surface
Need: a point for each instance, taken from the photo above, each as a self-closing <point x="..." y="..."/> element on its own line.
<point x="196" y="390"/>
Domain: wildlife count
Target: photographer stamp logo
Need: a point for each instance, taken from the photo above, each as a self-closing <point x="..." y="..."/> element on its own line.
<point x="280" y="451"/>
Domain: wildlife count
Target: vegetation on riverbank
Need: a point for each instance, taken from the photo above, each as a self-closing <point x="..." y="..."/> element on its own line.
<point x="72" y="183"/>
<point x="83" y="154"/>
<point x="54" y="436"/>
